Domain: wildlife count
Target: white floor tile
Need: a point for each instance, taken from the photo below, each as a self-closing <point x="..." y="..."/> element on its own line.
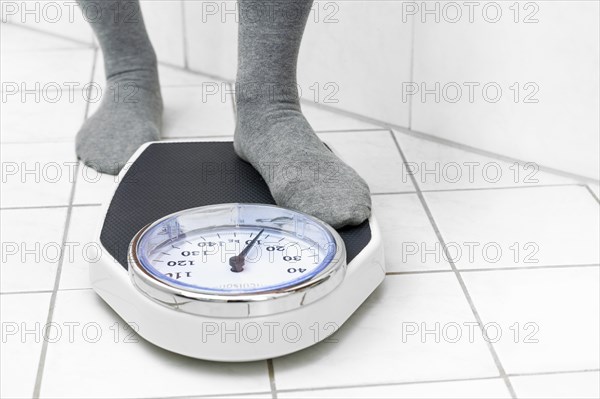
<point x="53" y="116"/>
<point x="115" y="367"/>
<point x="93" y="187"/>
<point x="375" y="345"/>
<point x="492" y="388"/>
<point x="323" y="120"/>
<point x="37" y="174"/>
<point x="40" y="71"/>
<point x="409" y="241"/>
<point x="14" y="38"/>
<point x="31" y="246"/>
<point x="562" y="305"/>
<point x="440" y="167"/>
<point x="82" y="249"/>
<point x="194" y="111"/>
<point x="373" y="155"/>
<point x="23" y="321"/>
<point x="549" y="386"/>
<point x="521" y="227"/>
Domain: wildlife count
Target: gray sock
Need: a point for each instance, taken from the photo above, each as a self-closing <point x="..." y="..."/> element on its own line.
<point x="272" y="133"/>
<point x="130" y="113"/>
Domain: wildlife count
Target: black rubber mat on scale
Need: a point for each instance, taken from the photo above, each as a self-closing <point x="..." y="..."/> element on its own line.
<point x="170" y="177"/>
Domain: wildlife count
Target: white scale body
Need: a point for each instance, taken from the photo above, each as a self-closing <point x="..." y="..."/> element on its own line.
<point x="235" y="330"/>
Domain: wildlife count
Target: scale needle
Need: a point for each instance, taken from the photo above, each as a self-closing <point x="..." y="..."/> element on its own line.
<point x="237" y="262"/>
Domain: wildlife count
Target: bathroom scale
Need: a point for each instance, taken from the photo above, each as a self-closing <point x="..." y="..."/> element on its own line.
<point x="197" y="258"/>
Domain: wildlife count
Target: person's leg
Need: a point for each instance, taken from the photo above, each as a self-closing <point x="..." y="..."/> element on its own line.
<point x="272" y="133"/>
<point x="130" y="113"/>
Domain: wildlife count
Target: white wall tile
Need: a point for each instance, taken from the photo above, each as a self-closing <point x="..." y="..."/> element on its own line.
<point x="362" y="50"/>
<point x="354" y="54"/>
<point x="164" y="23"/>
<point x="61" y="18"/>
<point x="211" y="29"/>
<point x="559" y="54"/>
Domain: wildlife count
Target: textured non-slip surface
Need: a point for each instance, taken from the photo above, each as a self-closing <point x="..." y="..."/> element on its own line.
<point x="170" y="177"/>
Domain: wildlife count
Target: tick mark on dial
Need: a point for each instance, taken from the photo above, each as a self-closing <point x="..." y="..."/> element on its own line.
<point x="164" y="253"/>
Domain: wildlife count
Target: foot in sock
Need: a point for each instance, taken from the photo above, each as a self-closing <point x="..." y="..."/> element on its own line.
<point x="301" y="172"/>
<point x="130" y="113"/>
<point x="273" y="134"/>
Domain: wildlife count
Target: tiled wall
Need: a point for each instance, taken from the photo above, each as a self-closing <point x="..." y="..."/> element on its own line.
<point x="434" y="67"/>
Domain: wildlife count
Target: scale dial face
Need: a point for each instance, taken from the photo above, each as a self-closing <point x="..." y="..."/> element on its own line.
<point x="236" y="252"/>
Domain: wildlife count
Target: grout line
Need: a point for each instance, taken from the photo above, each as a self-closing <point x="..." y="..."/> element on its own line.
<point x="27" y="292"/>
<point x="410" y="272"/>
<point x="12" y="208"/>
<point x="394" y="193"/>
<point x="195" y="72"/>
<point x="373" y="129"/>
<point x="486" y="153"/>
<point x="42" y="362"/>
<point x="411" y="68"/>
<point x="44" y="351"/>
<point x="458" y="275"/>
<point x="554" y="372"/>
<point x="215" y="395"/>
<point x="492" y="269"/>
<point x="443" y="190"/>
<point x="587" y="186"/>
<point x="453" y="190"/>
<point x="389" y="384"/>
<point x="512" y="268"/>
<point x="184" y="35"/>
<point x="271" y="369"/>
<point x="44" y="291"/>
<point x="386" y="384"/>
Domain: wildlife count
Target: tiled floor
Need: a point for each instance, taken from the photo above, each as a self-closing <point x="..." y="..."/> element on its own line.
<point x="471" y="243"/>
